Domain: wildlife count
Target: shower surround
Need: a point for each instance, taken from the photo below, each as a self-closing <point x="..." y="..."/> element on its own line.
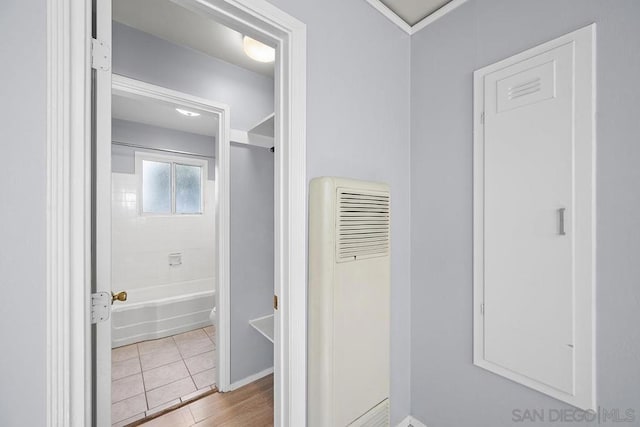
<point x="167" y="295"/>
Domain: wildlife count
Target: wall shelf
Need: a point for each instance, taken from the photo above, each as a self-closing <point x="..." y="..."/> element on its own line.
<point x="265" y="127"/>
<point x="264" y="325"/>
<point x="261" y="134"/>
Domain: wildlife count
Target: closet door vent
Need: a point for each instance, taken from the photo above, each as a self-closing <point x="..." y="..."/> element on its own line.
<point x="362" y="224"/>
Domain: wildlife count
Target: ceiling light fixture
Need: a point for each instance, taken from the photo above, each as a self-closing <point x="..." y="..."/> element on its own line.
<point x="258" y="51"/>
<point x="187" y="112"/>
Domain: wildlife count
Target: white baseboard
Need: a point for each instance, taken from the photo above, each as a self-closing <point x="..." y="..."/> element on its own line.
<point x="252" y="378"/>
<point x="411" y="422"/>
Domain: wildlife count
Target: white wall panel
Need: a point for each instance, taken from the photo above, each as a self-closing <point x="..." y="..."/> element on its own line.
<point x="533" y="218"/>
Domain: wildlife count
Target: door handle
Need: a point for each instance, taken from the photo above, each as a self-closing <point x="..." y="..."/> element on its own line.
<point x="120" y="296"/>
<point x="561" y="221"/>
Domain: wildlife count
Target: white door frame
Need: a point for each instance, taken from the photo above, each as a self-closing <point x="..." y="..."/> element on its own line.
<point x="69" y="364"/>
<point x="124" y="84"/>
<point x="121" y="84"/>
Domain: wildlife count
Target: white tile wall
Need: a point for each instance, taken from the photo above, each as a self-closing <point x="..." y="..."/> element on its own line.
<point x="141" y="244"/>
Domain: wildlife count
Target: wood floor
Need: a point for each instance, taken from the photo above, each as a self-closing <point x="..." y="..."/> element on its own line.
<point x="251" y="405"/>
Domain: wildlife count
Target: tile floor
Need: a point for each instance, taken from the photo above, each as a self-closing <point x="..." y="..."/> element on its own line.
<point x="151" y="376"/>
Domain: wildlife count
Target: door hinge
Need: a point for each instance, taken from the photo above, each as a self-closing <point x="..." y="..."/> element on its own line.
<point x="482" y="309"/>
<point x="275" y="302"/>
<point x="100" y="55"/>
<point x="482" y="118"/>
<point x="100" y="306"/>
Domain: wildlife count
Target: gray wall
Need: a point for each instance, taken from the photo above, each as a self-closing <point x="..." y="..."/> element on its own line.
<point x="446" y="389"/>
<point x="358" y="126"/>
<point x="251" y="247"/>
<point x="358" y="122"/>
<point x="123" y="159"/>
<point x="153" y="60"/>
<point x="23" y="213"/>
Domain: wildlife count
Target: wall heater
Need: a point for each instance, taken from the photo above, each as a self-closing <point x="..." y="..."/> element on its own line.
<point x="349" y="286"/>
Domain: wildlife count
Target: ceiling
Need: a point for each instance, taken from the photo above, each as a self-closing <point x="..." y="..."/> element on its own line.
<point x="153" y="112"/>
<point x="180" y="26"/>
<point x="414" y="11"/>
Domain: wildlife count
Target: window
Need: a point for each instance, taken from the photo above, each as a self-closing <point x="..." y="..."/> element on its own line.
<point x="156" y="187"/>
<point x="188" y="194"/>
<point x="170" y="185"/>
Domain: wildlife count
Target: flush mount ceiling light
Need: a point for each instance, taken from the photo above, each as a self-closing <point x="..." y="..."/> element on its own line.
<point x="258" y="51"/>
<point x="187" y="112"/>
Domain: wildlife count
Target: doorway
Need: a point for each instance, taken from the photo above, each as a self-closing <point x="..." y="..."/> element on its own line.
<point x="71" y="65"/>
<point x="167" y="149"/>
<point x="182" y="60"/>
<point x="163" y="176"/>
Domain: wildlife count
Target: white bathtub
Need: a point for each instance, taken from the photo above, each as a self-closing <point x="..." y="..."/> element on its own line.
<point x="161" y="311"/>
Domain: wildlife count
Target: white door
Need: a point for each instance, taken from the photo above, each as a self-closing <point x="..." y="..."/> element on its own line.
<point x="528" y="181"/>
<point x="533" y="202"/>
<point x="102" y="205"/>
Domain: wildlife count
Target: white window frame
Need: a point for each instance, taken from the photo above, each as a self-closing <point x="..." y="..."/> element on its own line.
<point x="140" y="156"/>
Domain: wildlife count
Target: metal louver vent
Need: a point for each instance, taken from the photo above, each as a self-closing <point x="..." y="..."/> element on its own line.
<point x="524" y="89"/>
<point x="376" y="417"/>
<point x="362" y="224"/>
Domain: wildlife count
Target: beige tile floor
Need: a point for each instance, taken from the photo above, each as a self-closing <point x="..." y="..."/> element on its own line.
<point x="151" y="376"/>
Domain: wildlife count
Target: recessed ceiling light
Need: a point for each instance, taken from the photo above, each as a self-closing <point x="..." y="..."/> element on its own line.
<point x="187" y="112"/>
<point x="258" y="51"/>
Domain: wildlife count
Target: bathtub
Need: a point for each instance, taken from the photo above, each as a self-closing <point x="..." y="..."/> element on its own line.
<point x="161" y="311"/>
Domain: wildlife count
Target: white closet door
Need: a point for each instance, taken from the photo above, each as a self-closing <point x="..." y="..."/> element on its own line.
<point x="528" y="179"/>
<point x="533" y="218"/>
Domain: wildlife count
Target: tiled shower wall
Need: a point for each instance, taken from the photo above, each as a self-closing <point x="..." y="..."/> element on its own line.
<point x="141" y="244"/>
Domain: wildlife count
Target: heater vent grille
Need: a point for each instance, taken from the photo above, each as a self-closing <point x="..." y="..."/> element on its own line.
<point x="379" y="416"/>
<point x="362" y="221"/>
<point x="349" y="314"/>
